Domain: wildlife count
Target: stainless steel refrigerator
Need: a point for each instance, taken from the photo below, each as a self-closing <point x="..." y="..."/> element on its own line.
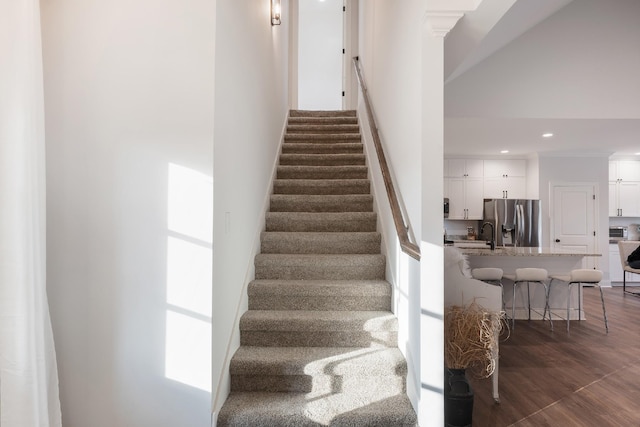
<point x="516" y="222"/>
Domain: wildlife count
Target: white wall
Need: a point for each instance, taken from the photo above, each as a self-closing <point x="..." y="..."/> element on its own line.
<point x="129" y="90"/>
<point x="578" y="83"/>
<point x="251" y="108"/>
<point x="390" y="54"/>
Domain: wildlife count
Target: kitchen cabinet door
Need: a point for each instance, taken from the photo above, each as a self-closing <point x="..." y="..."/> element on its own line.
<point x="615" y="268"/>
<point x="465" y="198"/>
<point x="474" y="198"/>
<point x="505" y="188"/>
<point x="463" y="168"/>
<point x="628" y="170"/>
<point x="613" y="199"/>
<point x="629" y="198"/>
<point x="505" y="168"/>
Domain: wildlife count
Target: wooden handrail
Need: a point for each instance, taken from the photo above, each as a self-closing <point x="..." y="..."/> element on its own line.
<point x="402" y="229"/>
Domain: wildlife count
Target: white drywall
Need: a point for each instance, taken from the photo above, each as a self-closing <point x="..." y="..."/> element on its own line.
<point x="129" y="92"/>
<point x="568" y="66"/>
<point x="390" y="55"/>
<point x="251" y="106"/>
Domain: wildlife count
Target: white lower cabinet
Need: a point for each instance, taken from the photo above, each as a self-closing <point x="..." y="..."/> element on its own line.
<point x="465" y="198"/>
<point x="615" y="268"/>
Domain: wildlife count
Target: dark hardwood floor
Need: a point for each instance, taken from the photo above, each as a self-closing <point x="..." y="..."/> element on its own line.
<point x="583" y="378"/>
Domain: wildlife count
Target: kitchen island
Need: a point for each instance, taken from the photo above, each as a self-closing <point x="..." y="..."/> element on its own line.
<point x="553" y="260"/>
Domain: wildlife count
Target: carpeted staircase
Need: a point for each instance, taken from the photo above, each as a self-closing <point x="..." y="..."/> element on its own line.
<point x="319" y="342"/>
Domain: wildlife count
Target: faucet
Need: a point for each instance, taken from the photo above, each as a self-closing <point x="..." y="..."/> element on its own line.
<point x="492" y="242"/>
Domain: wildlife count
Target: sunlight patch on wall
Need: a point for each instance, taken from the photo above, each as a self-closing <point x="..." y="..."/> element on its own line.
<point x="188" y="350"/>
<point x="189" y="277"/>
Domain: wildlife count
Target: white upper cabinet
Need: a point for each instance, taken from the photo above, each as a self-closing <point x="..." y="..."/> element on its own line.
<point x="624" y="170"/>
<point x="505" y="168"/>
<point x="505" y="188"/>
<point x="624" y="188"/>
<point x="464" y="168"/>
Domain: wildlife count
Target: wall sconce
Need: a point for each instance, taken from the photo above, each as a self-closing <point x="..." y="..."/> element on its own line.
<point x="276" y="11"/>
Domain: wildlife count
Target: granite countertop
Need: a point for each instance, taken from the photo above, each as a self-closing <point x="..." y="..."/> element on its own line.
<point x="511" y="251"/>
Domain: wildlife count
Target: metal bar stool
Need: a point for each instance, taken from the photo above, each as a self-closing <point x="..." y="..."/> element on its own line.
<point x="580" y="277"/>
<point x="528" y="276"/>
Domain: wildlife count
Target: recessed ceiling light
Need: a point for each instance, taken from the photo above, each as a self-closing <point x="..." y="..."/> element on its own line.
<point x="506" y="151"/>
<point x="637" y="154"/>
<point x="547" y="135"/>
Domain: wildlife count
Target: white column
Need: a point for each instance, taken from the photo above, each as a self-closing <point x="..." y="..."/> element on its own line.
<point x="437" y="23"/>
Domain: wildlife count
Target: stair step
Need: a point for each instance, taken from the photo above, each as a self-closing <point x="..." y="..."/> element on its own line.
<point x="323" y="128"/>
<point x="322" y="172"/>
<point x="317" y="328"/>
<point x="321" y="186"/>
<point x="355" y="409"/>
<point x="322" y="113"/>
<point x="323" y="137"/>
<point x="352" y="120"/>
<point x="332" y="295"/>
<point x="323" y="203"/>
<point x="321" y="222"/>
<point x="322" y="159"/>
<point x="330" y="267"/>
<point x="326" y="148"/>
<point x="320" y="243"/>
<point x="317" y="369"/>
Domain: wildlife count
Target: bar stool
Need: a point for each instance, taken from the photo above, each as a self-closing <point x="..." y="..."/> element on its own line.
<point x="490" y="275"/>
<point x="528" y="276"/>
<point x="580" y="277"/>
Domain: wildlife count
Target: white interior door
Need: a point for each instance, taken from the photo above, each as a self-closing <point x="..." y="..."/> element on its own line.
<point x="574" y="221"/>
<point x="320" y="57"/>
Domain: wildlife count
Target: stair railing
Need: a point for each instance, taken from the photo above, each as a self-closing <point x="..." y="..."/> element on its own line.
<point x="402" y="229"/>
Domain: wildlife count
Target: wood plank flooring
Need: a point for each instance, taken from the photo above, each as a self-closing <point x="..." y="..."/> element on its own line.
<point x="583" y="378"/>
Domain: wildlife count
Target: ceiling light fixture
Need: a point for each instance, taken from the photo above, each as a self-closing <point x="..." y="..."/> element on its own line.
<point x="504" y="151"/>
<point x="276" y="12"/>
<point x="547" y="135"/>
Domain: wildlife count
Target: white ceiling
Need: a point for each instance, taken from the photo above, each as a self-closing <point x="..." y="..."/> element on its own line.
<point x="561" y="66"/>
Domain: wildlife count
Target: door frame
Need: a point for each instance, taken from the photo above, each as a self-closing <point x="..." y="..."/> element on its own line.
<point x="588" y="262"/>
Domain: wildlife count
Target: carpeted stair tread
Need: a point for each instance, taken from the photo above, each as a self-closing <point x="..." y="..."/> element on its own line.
<point x="318" y="320"/>
<point x="320" y="243"/>
<point x="331" y="295"/>
<point x="323" y="137"/>
<point x="255" y="409"/>
<point x="320" y="266"/>
<point x="322" y="159"/>
<point x="326" y="148"/>
<point x="322" y="113"/>
<point x="318" y="360"/>
<point x="320" y="288"/>
<point x="321" y="221"/>
<point x="322" y="172"/>
<point x="321" y="203"/>
<point x="321" y="186"/>
<point x="322" y="121"/>
<point x="323" y="128"/>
